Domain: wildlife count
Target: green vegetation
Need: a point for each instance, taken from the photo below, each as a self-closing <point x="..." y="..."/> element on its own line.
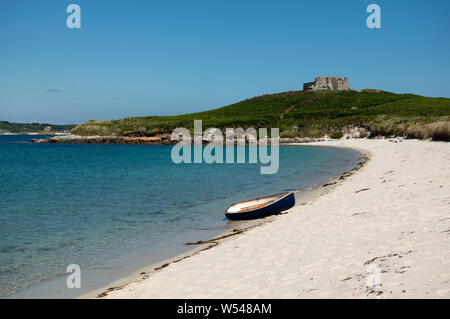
<point x="6" y="126"/>
<point x="337" y="135"/>
<point x="304" y="114"/>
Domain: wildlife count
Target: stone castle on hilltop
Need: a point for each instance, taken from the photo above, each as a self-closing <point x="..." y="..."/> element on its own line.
<point x="327" y="83"/>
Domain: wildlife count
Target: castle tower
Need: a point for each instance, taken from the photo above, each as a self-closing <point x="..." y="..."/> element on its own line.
<point x="327" y="83"/>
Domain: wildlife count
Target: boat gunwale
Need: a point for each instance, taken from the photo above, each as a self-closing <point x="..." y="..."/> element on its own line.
<point x="265" y="205"/>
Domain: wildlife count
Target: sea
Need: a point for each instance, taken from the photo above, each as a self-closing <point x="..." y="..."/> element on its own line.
<point x="112" y="209"/>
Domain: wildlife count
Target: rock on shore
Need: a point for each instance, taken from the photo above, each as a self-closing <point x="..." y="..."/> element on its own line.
<point x="76" y="139"/>
<point x="163" y="139"/>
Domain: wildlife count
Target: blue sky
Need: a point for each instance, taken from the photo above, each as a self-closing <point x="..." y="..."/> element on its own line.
<point x="136" y="58"/>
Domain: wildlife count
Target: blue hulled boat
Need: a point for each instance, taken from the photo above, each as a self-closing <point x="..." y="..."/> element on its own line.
<point x="261" y="207"/>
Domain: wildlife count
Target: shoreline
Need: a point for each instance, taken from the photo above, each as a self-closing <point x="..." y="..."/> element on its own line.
<point x="242" y="227"/>
<point x="109" y="269"/>
<point x="380" y="233"/>
<point x="161" y="139"/>
<point x="55" y="134"/>
<point x="306" y="196"/>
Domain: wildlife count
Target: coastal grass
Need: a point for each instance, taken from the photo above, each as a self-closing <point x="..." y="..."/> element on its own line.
<point x="304" y="114"/>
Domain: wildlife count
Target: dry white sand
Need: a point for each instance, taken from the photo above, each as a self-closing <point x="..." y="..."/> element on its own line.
<point x="386" y="226"/>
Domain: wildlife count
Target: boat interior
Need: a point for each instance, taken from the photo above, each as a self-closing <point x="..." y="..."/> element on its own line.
<point x="255" y="203"/>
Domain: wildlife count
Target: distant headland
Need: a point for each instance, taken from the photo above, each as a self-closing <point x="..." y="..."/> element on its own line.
<point x="27" y="128"/>
<point x="326" y="109"/>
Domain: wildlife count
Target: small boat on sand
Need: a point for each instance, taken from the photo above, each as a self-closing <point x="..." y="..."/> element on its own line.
<point x="261" y="207"/>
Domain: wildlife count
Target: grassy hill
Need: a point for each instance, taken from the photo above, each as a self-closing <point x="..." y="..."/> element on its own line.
<point x="304" y="114"/>
<point x="33" y="127"/>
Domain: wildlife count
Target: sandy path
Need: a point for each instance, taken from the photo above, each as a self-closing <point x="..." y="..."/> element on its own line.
<point x="388" y="224"/>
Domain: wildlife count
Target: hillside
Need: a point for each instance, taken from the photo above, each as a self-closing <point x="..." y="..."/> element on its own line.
<point x="304" y="114"/>
<point x="6" y="126"/>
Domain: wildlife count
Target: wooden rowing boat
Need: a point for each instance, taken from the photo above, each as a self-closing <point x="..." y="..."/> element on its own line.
<point x="261" y="207"/>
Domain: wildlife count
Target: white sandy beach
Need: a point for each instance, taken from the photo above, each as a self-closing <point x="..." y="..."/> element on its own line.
<point x="391" y="216"/>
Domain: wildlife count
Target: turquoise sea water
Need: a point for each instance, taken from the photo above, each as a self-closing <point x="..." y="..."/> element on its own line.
<point x="114" y="208"/>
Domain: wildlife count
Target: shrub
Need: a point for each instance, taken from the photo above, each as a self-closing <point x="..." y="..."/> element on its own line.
<point x="437" y="131"/>
<point x="337" y="135"/>
<point x="440" y="131"/>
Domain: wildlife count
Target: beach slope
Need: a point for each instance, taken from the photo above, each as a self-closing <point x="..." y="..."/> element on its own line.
<point x="382" y="232"/>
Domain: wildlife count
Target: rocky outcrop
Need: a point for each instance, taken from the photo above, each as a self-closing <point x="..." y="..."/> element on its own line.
<point x="163" y="139"/>
<point x="291" y="140"/>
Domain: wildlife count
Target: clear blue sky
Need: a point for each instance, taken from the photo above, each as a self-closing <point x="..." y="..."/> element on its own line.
<point x="135" y="58"/>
